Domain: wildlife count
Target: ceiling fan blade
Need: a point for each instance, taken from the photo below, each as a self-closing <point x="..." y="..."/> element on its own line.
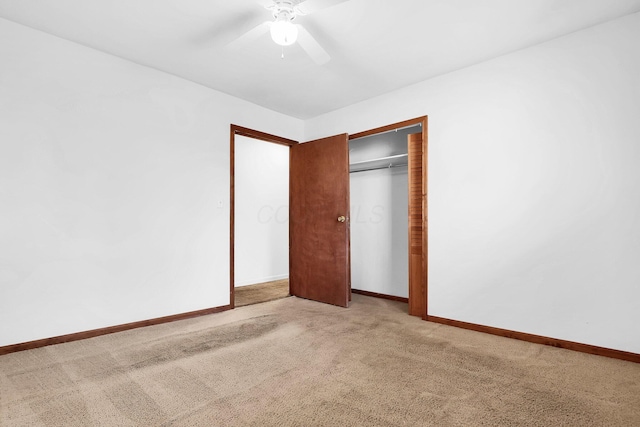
<point x="309" y="6"/>
<point x="312" y="47"/>
<point x="249" y="37"/>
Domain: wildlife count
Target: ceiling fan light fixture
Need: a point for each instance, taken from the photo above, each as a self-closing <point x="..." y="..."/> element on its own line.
<point x="284" y="32"/>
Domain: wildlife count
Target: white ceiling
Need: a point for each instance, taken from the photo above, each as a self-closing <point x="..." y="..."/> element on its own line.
<point x="376" y="46"/>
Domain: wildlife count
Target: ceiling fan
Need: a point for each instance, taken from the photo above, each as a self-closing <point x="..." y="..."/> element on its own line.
<point x="284" y="32"/>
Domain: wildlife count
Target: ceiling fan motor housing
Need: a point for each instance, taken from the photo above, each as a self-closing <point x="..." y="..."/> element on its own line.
<point x="283" y="10"/>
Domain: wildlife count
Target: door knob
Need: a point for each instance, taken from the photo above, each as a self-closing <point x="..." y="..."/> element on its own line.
<point x="342" y="218"/>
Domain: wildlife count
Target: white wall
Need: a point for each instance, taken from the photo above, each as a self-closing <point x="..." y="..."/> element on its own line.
<point x="110" y="177"/>
<point x="534" y="185"/>
<point x="379" y="236"/>
<point x="261" y="236"/>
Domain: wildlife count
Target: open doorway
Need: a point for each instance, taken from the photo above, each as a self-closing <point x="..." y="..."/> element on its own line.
<point x="388" y="213"/>
<point x="259" y="217"/>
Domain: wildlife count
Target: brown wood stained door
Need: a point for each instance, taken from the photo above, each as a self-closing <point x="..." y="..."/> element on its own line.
<point x="319" y="267"/>
<point x="417" y="285"/>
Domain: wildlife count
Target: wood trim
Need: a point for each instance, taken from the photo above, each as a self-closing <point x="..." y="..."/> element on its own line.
<point x="390" y="127"/>
<point x="539" y="339"/>
<point x="377" y="295"/>
<point x="255" y="134"/>
<point x="291" y="286"/>
<point x="425" y="216"/>
<point x="108" y="330"/>
<point x="232" y="215"/>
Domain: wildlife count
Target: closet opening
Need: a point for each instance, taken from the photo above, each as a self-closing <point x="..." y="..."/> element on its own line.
<point x="259" y="217"/>
<point x="387" y="174"/>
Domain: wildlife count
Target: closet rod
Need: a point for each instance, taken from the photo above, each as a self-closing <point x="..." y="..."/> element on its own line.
<point x="414" y="125"/>
<point x="397" y="156"/>
<point x="379" y="167"/>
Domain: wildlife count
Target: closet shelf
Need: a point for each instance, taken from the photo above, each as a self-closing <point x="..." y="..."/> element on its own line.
<point x="397" y="160"/>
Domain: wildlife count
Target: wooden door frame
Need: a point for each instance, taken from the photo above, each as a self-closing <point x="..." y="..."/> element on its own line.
<point x="423" y="120"/>
<point x="250" y="133"/>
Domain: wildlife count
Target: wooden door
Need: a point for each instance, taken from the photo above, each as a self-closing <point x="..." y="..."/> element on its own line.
<point x="319" y="267"/>
<point x="417" y="285"/>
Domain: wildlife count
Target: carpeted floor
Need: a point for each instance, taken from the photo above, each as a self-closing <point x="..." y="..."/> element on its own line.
<point x="261" y="292"/>
<point x="293" y="362"/>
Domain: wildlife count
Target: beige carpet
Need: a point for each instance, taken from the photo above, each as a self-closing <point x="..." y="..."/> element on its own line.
<point x="293" y="362"/>
<point x="261" y="292"/>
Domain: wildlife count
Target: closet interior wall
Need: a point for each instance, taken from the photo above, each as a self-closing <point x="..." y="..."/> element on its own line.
<point x="379" y="212"/>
